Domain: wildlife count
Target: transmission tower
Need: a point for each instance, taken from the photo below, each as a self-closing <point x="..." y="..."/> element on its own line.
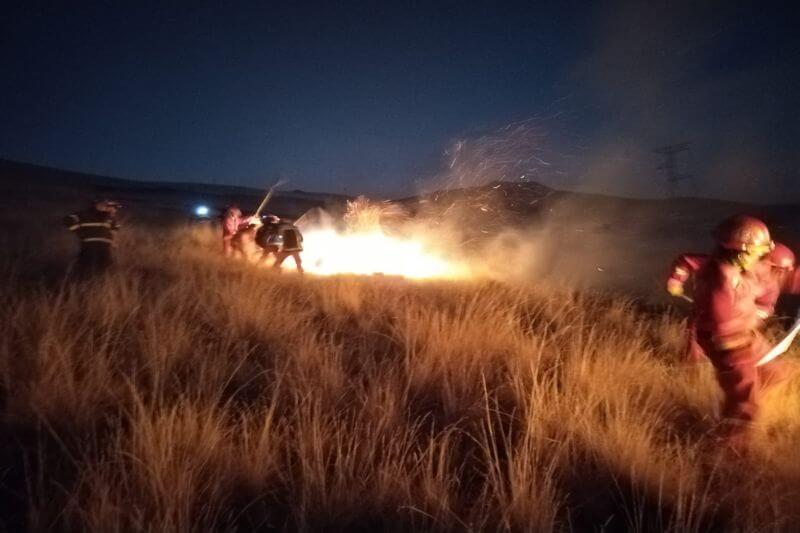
<point x="670" y="165"/>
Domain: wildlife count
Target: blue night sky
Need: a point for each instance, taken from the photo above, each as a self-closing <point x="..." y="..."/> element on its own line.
<point x="366" y="98"/>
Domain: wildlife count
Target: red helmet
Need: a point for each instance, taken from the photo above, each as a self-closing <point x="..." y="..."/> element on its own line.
<point x="781" y="257"/>
<point x="743" y="233"/>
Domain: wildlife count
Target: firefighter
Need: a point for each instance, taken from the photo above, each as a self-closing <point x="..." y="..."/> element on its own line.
<point x="243" y="242"/>
<point x="774" y="273"/>
<point x="282" y="239"/>
<point x="95" y="227"/>
<point x="232" y="222"/>
<point x="291" y="246"/>
<point x="727" y="322"/>
<point x="268" y="238"/>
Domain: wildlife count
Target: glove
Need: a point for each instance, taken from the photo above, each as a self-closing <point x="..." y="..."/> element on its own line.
<point x="675" y="289"/>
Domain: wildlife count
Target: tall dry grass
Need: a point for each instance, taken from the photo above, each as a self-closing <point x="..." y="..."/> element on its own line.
<point x="183" y="392"/>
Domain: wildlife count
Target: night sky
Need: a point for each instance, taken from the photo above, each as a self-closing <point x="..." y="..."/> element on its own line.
<point x="366" y="98"/>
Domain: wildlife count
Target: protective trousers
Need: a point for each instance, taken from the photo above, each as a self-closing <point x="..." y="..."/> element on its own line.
<point x="227" y="245"/>
<point x="739" y="378"/>
<point x="94" y="257"/>
<point x="281" y="256"/>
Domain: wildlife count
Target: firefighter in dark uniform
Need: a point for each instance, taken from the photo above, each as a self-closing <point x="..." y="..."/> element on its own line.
<point x="95" y="228"/>
<point x="291" y="247"/>
<point x="282" y="239"/>
<point x="267" y="238"/>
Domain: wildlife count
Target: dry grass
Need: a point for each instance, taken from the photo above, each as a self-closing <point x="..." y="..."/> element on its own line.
<point x="183" y="392"/>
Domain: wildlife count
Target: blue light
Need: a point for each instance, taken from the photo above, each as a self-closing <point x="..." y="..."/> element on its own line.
<point x="201" y="211"/>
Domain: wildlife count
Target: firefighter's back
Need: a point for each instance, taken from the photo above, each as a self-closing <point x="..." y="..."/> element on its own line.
<point x="292" y="238"/>
<point x="95" y="228"/>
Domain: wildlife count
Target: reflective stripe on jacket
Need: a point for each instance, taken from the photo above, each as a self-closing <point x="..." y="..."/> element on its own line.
<point x="92" y="225"/>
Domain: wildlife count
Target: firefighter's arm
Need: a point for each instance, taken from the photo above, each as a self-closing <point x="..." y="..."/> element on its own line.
<point x="693" y="262"/>
<point x="72" y="222"/>
<point x="677" y="278"/>
<point x="244" y="222"/>
<point x="764" y="310"/>
<point x="767" y="296"/>
<point x="682" y="269"/>
<point x="679" y="273"/>
<point x="729" y="331"/>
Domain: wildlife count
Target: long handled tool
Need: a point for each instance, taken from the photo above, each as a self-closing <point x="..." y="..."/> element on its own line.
<point x="782" y="346"/>
<point x="267" y="198"/>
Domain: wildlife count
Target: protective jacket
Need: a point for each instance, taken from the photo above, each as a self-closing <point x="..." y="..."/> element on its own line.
<point x="292" y="238"/>
<point x="95" y="229"/>
<point x="725" y="304"/>
<point x="231" y="223"/>
<point x="281" y="236"/>
<point x="93" y="226"/>
<point x="770" y="282"/>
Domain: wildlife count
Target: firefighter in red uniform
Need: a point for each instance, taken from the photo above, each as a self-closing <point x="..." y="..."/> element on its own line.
<point x="95" y="228"/>
<point x="727" y="322"/>
<point x="774" y="273"/>
<point x="244" y="241"/>
<point x="232" y="222"/>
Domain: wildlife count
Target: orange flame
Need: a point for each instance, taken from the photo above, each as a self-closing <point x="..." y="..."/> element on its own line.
<point x="365" y="248"/>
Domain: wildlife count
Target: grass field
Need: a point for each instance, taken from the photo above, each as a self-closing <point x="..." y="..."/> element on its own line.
<point x="184" y="392"/>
